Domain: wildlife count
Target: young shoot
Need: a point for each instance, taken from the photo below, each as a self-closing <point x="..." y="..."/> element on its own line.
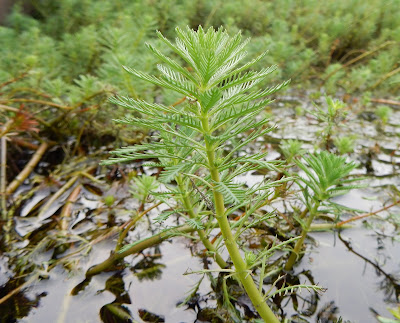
<point x="291" y="148"/>
<point x="331" y="117"/>
<point x="345" y="144"/>
<point x="325" y="177"/>
<point x="383" y="112"/>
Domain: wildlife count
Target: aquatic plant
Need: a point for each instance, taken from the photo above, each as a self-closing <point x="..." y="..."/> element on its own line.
<point x="65" y="85"/>
<point x="331" y="118"/>
<point x="325" y="177"/>
<point x="344" y="144"/>
<point x="291" y="148"/>
<point x="383" y="112"/>
<point x="192" y="143"/>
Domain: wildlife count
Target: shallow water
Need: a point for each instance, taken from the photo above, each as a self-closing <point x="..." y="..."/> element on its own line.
<point x="359" y="267"/>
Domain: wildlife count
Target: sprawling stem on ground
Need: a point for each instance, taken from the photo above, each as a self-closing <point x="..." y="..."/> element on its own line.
<point x="144" y="244"/>
<point x="240" y="266"/>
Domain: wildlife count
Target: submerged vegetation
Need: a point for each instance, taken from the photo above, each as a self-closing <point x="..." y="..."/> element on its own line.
<point x="220" y="156"/>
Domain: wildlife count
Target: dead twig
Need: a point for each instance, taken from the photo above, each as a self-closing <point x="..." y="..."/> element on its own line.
<point x="12" y="109"/>
<point x="19" y="288"/>
<point x="42" y="102"/>
<point x="56" y="195"/>
<point x="27" y="169"/>
<point x="384" y="101"/>
<point x="367" y="214"/>
<point x="63" y="189"/>
<point x="138" y="247"/>
<point x="3" y="177"/>
<point x="66" y="210"/>
<point x="15" y="79"/>
<point x="384" y="78"/>
<point x="359" y="57"/>
<point x="22" y="143"/>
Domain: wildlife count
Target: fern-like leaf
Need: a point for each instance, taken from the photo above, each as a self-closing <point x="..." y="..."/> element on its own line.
<point x="233" y="193"/>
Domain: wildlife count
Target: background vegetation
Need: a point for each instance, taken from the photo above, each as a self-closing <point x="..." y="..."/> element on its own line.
<point x="69" y="53"/>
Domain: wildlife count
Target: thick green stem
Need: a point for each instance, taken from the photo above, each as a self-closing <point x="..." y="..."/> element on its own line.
<point x="299" y="244"/>
<point x="202" y="234"/>
<point x="242" y="271"/>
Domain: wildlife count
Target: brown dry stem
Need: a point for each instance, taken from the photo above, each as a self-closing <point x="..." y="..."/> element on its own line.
<point x="19" y="179"/>
<point x="358" y="217"/>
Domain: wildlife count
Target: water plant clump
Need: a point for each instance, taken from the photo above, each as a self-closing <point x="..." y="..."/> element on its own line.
<point x="325" y="178"/>
<point x="344" y="144"/>
<point x="222" y="101"/>
<point x="383" y="113"/>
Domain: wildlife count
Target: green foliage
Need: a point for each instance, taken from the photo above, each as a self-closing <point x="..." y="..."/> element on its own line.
<point x="109" y="200"/>
<point x="70" y="55"/>
<point x="222" y="103"/>
<point x="72" y="38"/>
<point x="291" y="148"/>
<point x="383" y="112"/>
<point x="344" y="144"/>
<point x="325" y="177"/>
<point x="217" y="91"/>
<point x="144" y="185"/>
<point x="330" y="118"/>
<point x="334" y="112"/>
<point x="63" y="61"/>
<point x="326" y="174"/>
<point x="250" y="258"/>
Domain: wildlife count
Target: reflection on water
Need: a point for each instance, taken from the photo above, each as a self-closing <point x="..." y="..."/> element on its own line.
<point x="359" y="267"/>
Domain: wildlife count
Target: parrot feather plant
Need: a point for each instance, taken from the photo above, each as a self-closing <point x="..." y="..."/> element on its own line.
<point x="325" y="178"/>
<point x="192" y="140"/>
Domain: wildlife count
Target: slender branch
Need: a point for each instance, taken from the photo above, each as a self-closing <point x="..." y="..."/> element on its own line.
<point x="13" y="80"/>
<point x="66" y="211"/>
<point x="358" y="58"/>
<point x="23" y="143"/>
<point x="384" y="78"/>
<point x="27" y="169"/>
<point x="6" y="128"/>
<point x="3" y="177"/>
<point x="385" y="101"/>
<point x="367" y="214"/>
<point x="12" y="109"/>
<point x="299" y="244"/>
<point x="56" y="195"/>
<point x="179" y="101"/>
<point x="19" y="288"/>
<point x="129" y="224"/>
<point x="52" y="104"/>
<point x="202" y="234"/>
<point x="91" y="177"/>
<point x="390" y="277"/>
